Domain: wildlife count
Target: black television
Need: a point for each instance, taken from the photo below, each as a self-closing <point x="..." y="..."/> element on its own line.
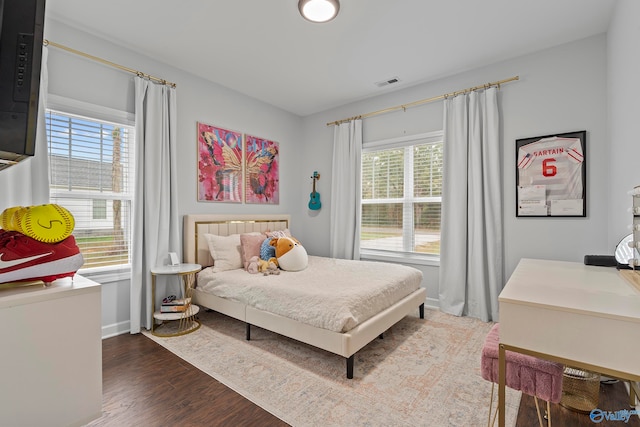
<point x="21" y="36"/>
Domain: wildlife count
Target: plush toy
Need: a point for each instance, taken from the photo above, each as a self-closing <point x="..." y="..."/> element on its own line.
<point x="271" y="267"/>
<point x="266" y="250"/>
<point x="268" y="267"/>
<point x="291" y="255"/>
<point x="253" y="265"/>
<point x="262" y="265"/>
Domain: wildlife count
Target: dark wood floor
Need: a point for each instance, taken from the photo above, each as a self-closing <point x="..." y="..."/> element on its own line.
<point x="146" y="385"/>
<point x="143" y="384"/>
<point x="613" y="397"/>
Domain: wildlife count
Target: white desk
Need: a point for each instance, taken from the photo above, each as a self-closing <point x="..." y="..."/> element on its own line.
<point x="578" y="315"/>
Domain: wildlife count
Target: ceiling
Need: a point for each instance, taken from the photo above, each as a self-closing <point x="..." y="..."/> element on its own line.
<point x="265" y="49"/>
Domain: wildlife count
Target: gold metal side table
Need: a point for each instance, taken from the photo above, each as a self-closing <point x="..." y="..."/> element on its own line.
<point x="186" y="321"/>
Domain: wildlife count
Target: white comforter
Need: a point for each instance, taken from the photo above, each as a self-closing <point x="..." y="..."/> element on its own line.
<point x="332" y="294"/>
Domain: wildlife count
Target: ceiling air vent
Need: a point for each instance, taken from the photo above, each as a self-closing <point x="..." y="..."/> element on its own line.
<point x="387" y="82"/>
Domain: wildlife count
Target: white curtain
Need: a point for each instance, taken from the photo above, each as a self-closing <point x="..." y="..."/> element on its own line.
<point x="27" y="183"/>
<point x="471" y="255"/>
<point x="344" y="237"/>
<point x="156" y="231"/>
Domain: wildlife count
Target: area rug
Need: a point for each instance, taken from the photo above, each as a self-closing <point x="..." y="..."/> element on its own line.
<point x="421" y="373"/>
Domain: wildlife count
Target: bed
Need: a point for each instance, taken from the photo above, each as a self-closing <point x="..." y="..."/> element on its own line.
<point x="343" y="337"/>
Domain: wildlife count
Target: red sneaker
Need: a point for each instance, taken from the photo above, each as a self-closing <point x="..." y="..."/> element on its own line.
<point x="4" y="236"/>
<point x="23" y="258"/>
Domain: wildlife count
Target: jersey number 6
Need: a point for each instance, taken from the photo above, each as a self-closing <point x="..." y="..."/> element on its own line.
<point x="548" y="168"/>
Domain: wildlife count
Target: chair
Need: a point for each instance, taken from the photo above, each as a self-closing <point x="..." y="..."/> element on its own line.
<point x="530" y="375"/>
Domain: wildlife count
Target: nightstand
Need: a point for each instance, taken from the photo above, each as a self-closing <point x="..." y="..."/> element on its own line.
<point x="186" y="321"/>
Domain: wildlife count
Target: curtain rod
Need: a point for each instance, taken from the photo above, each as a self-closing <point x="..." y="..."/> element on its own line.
<point x="112" y="64"/>
<point x="424" y="101"/>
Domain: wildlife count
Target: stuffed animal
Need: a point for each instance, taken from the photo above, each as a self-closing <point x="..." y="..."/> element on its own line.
<point x="266" y="250"/>
<point x="262" y="265"/>
<point x="291" y="255"/>
<point x="268" y="267"/>
<point x="272" y="268"/>
<point x="253" y="265"/>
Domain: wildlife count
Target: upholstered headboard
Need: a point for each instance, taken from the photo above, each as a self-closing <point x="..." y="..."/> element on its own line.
<point x="195" y="248"/>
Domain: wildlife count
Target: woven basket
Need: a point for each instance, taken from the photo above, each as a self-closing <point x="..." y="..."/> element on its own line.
<point x="580" y="390"/>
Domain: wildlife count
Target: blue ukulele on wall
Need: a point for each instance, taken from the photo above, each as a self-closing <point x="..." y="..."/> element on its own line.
<point x="314" y="197"/>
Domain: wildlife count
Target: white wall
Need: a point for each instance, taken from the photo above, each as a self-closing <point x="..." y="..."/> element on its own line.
<point x="78" y="78"/>
<point x="198" y="100"/>
<point x="562" y="89"/>
<point x="623" y="67"/>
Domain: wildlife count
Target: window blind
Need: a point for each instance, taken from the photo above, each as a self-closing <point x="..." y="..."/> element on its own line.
<point x="92" y="176"/>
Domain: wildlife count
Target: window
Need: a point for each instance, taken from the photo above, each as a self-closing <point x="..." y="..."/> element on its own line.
<point x="92" y="176"/>
<point x="401" y="196"/>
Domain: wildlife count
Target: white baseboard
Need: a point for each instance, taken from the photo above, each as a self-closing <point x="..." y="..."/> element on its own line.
<point x="114" y="329"/>
<point x="432" y="303"/>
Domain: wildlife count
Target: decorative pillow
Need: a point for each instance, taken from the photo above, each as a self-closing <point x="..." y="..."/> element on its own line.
<point x="278" y="233"/>
<point x="225" y="251"/>
<point x="250" y="243"/>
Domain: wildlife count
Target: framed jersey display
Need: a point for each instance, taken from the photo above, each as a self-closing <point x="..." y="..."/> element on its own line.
<point x="551" y="175"/>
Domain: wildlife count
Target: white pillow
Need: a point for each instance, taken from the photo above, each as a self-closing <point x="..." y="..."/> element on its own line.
<point x="225" y="251"/>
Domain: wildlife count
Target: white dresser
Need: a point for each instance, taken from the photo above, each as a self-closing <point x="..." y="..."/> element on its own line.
<point x="51" y="354"/>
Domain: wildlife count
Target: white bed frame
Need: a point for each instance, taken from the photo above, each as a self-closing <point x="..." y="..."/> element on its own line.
<point x="344" y="344"/>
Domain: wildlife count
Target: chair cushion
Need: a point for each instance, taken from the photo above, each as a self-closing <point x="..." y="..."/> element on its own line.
<point x="533" y="376"/>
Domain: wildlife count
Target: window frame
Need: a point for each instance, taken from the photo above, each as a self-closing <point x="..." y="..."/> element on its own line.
<point x="402" y="142"/>
<point x="73" y="107"/>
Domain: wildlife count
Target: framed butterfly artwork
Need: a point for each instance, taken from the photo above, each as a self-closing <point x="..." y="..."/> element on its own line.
<point x="219" y="164"/>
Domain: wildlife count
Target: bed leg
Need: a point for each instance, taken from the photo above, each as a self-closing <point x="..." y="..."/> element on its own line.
<point x="421" y="308"/>
<point x="350" y="360"/>
<point x="248" y="332"/>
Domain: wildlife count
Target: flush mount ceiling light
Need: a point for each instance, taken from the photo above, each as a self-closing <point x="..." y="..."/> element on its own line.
<point x="318" y="10"/>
